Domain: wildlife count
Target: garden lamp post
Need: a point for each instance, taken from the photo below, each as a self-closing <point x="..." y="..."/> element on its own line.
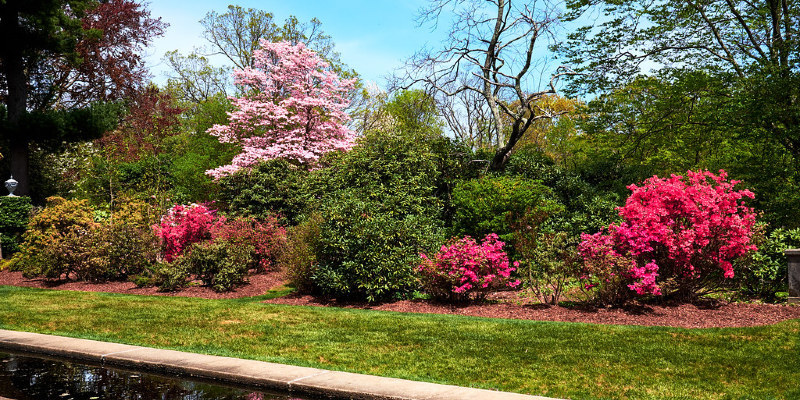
<point x="11" y="185"/>
<point x="793" y="257"/>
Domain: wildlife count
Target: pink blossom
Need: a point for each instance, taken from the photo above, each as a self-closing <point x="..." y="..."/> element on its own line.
<point x="293" y="108"/>
<point x="182" y="226"/>
<point x="463" y="266"/>
<point x="679" y="227"/>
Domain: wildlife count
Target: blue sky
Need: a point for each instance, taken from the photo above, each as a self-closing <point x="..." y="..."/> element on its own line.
<point x="373" y="36"/>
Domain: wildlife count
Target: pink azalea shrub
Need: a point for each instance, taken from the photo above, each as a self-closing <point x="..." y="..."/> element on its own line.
<point x="679" y="236"/>
<point x="267" y="237"/>
<point x="463" y="267"/>
<point x="182" y="226"/>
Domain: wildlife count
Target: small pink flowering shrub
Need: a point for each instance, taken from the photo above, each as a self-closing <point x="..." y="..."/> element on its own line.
<point x="182" y="226"/>
<point x="678" y="237"/>
<point x="463" y="267"/>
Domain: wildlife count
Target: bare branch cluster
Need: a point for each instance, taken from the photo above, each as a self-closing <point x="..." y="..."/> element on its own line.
<point x="487" y="67"/>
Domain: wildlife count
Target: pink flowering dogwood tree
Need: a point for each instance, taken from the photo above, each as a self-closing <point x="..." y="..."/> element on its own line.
<point x="679" y="236"/>
<point x="293" y="108"/>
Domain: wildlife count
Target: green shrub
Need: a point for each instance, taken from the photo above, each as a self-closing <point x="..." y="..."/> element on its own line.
<point x="399" y="170"/>
<point x="265" y="237"/>
<point x="167" y="276"/>
<point x="549" y="263"/>
<point x="14" y="215"/>
<point x="59" y="240"/>
<point x="586" y="209"/>
<point x="66" y="241"/>
<point x="220" y="265"/>
<point x="299" y="256"/>
<point x="764" y="272"/>
<point x="491" y="204"/>
<point x="272" y="187"/>
<point x="380" y="206"/>
<point x="367" y="252"/>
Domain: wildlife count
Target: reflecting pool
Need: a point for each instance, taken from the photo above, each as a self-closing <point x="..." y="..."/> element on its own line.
<point x="25" y="377"/>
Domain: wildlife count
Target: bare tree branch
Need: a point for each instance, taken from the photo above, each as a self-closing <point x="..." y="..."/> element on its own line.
<point x="489" y="58"/>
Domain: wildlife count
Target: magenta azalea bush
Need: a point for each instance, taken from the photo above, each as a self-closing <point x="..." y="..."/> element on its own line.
<point x="679" y="236"/>
<point x="182" y="226"/>
<point x="463" y="267"/>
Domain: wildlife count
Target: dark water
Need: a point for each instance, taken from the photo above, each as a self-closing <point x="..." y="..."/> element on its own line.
<point x="25" y="377"/>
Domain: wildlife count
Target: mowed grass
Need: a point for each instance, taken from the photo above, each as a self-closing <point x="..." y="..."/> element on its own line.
<point x="568" y="360"/>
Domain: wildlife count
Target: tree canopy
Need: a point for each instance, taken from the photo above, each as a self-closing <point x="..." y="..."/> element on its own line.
<point x="65" y="55"/>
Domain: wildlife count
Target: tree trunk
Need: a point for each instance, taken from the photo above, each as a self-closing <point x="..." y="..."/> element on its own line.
<point x="11" y="57"/>
<point x="502" y="154"/>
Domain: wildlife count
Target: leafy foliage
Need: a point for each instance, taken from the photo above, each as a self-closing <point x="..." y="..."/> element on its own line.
<point x="693" y="85"/>
<point x="380" y="207"/>
<point x="491" y="204"/>
<point x="70" y="240"/>
<point x="548" y="263"/>
<point x="763" y="273"/>
<point x="274" y="187"/>
<point x="219" y="264"/>
<point x="585" y="207"/>
<point x="266" y="238"/>
<point x="299" y="258"/>
<point x="14" y="215"/>
<point x="111" y="65"/>
<point x="365" y="251"/>
<point x="161" y="149"/>
<point x="219" y="251"/>
<point x="66" y="55"/>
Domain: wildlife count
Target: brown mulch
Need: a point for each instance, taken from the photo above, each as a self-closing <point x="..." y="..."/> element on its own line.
<point x="259" y="284"/>
<point x="501" y="305"/>
<point x="707" y="315"/>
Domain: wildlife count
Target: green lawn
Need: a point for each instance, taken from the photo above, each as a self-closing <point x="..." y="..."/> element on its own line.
<point x="579" y="361"/>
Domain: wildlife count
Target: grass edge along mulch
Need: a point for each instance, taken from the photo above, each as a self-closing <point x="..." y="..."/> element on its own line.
<point x="558" y="359"/>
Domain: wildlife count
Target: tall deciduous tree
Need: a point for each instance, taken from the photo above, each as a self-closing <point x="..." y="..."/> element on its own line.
<point x="293" y="108"/>
<point x="235" y="35"/>
<point x="194" y="79"/>
<point x="752" y="45"/>
<point x="721" y="88"/>
<point x="110" y="66"/>
<point x="36" y="27"/>
<point x="719" y="35"/>
<point x="66" y="53"/>
<point x="490" y="52"/>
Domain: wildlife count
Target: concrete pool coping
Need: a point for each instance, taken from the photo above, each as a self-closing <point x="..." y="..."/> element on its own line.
<point x="271" y="376"/>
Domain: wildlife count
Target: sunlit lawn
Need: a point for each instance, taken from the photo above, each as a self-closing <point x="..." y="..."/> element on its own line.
<point x="579" y="361"/>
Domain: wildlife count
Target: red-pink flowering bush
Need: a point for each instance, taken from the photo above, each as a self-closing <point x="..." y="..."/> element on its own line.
<point x="464" y="267"/>
<point x="182" y="226"/>
<point x="679" y="236"/>
<point x="267" y="237"/>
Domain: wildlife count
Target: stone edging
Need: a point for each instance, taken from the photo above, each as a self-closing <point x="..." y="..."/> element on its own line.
<point x="287" y="378"/>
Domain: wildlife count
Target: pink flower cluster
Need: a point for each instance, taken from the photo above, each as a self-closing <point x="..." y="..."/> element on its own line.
<point x="682" y="228"/>
<point x="293" y="108"/>
<point x="463" y="266"/>
<point x="182" y="226"/>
